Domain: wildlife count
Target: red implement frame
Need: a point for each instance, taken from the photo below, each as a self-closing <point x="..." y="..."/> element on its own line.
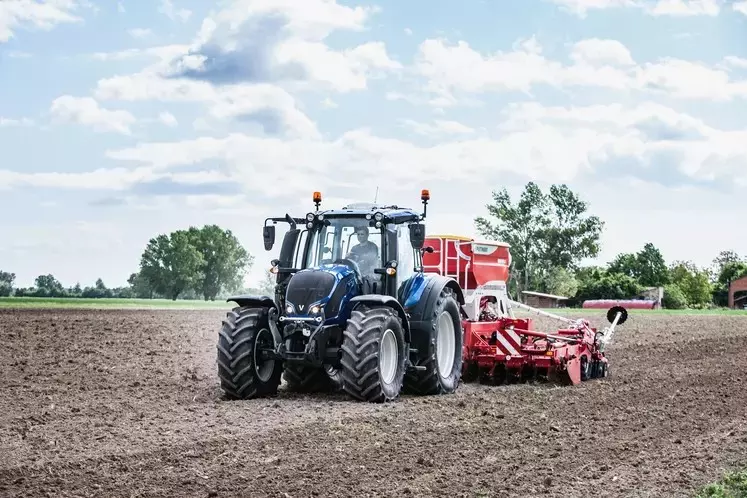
<point x="498" y="347"/>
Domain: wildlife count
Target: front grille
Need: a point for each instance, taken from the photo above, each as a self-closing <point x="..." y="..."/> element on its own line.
<point x="308" y="287"/>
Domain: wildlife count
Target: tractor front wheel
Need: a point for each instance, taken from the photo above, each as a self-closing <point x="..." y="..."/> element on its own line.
<point x="439" y="350"/>
<point x="373" y="354"/>
<point x="244" y="342"/>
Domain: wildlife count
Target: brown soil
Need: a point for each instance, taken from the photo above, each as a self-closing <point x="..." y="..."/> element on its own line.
<point x="126" y="403"/>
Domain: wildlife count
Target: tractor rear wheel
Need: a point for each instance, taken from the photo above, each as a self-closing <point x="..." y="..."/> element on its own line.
<point x="373" y="354"/>
<point x="306" y="379"/>
<point x="243" y="368"/>
<point x="439" y="350"/>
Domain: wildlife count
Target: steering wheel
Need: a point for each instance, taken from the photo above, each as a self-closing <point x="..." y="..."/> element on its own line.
<point x="352" y="264"/>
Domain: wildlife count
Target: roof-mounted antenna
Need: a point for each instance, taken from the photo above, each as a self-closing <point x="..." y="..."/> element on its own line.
<point x="376" y="197"/>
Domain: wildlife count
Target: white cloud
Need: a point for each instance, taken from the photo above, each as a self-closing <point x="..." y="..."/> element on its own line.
<point x="86" y="111"/>
<point x="738" y="62"/>
<point x="162" y="53"/>
<point x="139" y="32"/>
<point x="685" y="8"/>
<point x="167" y="8"/>
<point x="11" y="122"/>
<point x="594" y="51"/>
<point x="328" y="103"/>
<point x="265" y="100"/>
<point x="231" y="101"/>
<point x="168" y="119"/>
<point x="652" y="135"/>
<point x="40" y="15"/>
<point x="596" y="63"/>
<point x="439" y="128"/>
<point x="740" y="6"/>
<point x="311" y="20"/>
<point x="581" y="8"/>
<point x="342" y="71"/>
<point x="556" y="144"/>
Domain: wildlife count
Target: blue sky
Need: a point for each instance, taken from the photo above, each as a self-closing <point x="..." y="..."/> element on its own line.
<point x="121" y="120"/>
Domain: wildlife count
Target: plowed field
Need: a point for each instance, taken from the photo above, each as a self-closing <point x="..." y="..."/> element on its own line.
<point x="126" y="403"/>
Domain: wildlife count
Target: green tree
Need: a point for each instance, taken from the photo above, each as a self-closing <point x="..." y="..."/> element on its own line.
<point x="652" y="269"/>
<point x="647" y="266"/>
<point x="608" y="286"/>
<point x="728" y="271"/>
<point x="692" y="281"/>
<point x="139" y="286"/>
<point x="673" y="297"/>
<point x="224" y="260"/>
<point x="560" y="282"/>
<point x="724" y="258"/>
<point x="48" y="286"/>
<point x="571" y="236"/>
<point x="545" y="231"/>
<point x="625" y="264"/>
<point x="171" y="264"/>
<point x="7" y="280"/>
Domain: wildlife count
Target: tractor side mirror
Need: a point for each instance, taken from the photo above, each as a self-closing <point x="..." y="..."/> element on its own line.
<point x="417" y="235"/>
<point x="268" y="233"/>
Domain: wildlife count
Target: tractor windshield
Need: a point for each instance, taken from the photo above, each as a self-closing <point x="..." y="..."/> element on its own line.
<point x="346" y="238"/>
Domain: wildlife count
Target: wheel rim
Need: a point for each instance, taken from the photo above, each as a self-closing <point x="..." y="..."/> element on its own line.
<point x="445" y="345"/>
<point x="388" y="356"/>
<point x="263" y="368"/>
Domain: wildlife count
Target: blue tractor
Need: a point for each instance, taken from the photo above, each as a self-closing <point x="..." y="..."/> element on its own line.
<point x="353" y="311"/>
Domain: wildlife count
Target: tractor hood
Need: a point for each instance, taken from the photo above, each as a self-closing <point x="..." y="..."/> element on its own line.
<point x="313" y="287"/>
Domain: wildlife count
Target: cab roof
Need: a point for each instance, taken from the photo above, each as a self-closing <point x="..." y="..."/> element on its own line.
<point x="394" y="214"/>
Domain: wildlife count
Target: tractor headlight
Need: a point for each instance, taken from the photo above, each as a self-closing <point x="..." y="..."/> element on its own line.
<point x="378" y="216"/>
<point x="378" y="224"/>
<point x="289" y="309"/>
<point x="314" y="310"/>
<point x="310" y="225"/>
<point x="310" y="217"/>
<point x="320" y="217"/>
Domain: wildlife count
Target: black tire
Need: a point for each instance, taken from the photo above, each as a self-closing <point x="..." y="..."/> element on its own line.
<point x="245" y="329"/>
<point x="430" y="381"/>
<point x="587" y="367"/>
<point x="306" y="379"/>
<point x="362" y="376"/>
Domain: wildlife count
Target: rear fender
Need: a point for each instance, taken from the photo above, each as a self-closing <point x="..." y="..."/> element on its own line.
<point x="382" y="300"/>
<point x="422" y="311"/>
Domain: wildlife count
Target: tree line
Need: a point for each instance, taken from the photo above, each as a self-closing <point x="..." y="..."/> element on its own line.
<point x="552" y="233"/>
<point x="196" y="263"/>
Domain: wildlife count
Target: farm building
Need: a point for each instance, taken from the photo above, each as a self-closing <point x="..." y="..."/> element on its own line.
<point x="540" y="300"/>
<point x="738" y="293"/>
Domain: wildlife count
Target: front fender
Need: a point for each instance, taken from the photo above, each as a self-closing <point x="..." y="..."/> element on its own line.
<point x="382" y="300"/>
<point x="253" y="301"/>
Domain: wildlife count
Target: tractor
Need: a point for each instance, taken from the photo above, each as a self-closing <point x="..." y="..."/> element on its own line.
<point x="353" y="311"/>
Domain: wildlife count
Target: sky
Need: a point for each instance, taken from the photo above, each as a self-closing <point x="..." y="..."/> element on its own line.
<point x="120" y="120"/>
